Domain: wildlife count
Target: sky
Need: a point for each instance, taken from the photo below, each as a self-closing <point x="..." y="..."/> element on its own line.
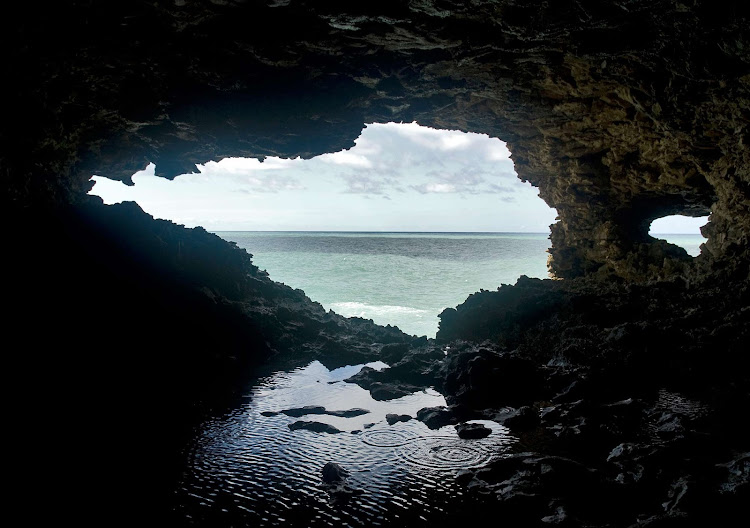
<point x="397" y="177"/>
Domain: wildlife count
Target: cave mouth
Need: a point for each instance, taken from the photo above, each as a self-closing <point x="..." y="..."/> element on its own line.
<point x="680" y="230"/>
<point x="408" y="222"/>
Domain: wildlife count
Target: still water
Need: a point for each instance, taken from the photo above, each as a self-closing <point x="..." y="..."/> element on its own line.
<point x="248" y="468"/>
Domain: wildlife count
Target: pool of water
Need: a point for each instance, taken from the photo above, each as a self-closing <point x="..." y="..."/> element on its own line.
<point x="248" y="468"/>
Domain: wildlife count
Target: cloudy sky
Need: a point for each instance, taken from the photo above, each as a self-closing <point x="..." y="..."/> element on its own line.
<point x="398" y="177"/>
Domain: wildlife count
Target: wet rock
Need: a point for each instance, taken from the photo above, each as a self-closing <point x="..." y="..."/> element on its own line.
<point x="393" y="352"/>
<point x="737" y="475"/>
<point x="472" y="430"/>
<point x="350" y="413"/>
<point x="334" y="473"/>
<point x="394" y="418"/>
<point x="414" y="369"/>
<point x="317" y="427"/>
<point x="314" y="409"/>
<point x="335" y="483"/>
<point x="559" y="517"/>
<point x="387" y="391"/>
<point x="436" y="417"/>
<point x="522" y="419"/>
<point x="486" y="376"/>
<point x="302" y="411"/>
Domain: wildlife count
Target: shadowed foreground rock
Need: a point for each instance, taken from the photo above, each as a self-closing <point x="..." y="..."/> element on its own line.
<point x="622" y="418"/>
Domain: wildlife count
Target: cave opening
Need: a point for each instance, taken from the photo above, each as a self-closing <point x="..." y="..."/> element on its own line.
<point x="409" y="221"/>
<point x="681" y="230"/>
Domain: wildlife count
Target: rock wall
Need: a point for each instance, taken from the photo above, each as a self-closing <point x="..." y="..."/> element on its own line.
<point x="620" y="111"/>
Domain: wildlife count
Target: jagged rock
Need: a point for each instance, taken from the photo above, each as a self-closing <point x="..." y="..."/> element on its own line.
<point x="521" y="419"/>
<point x="334" y="473"/>
<point x="395" y="418"/>
<point x="436" y="417"/>
<point x="484" y="376"/>
<point x="737" y="479"/>
<point x="335" y="482"/>
<point x="302" y="411"/>
<point x="385" y="391"/>
<point x="317" y="427"/>
<point x="472" y="430"/>
<point x="417" y="369"/>
<point x="314" y="409"/>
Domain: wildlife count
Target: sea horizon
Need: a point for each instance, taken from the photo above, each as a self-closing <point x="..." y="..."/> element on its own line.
<point x="413" y="232"/>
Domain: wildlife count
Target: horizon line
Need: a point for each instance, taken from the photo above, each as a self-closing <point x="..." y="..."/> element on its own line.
<point x="406" y="232"/>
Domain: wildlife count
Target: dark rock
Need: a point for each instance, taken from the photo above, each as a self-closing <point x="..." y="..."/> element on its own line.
<point x="317" y="427"/>
<point x="394" y="418"/>
<point x="314" y="409"/>
<point x="737" y="479"/>
<point x="394" y="352"/>
<point x="350" y="413"/>
<point x="385" y="391"/>
<point x="335" y="483"/>
<point x="334" y="473"/>
<point x="414" y="369"/>
<point x="557" y="518"/>
<point x="436" y="417"/>
<point x="302" y="411"/>
<point x="522" y="419"/>
<point x="485" y="376"/>
<point x="472" y="430"/>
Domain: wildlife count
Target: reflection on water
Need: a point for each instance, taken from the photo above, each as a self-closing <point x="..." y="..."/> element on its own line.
<point x="250" y="469"/>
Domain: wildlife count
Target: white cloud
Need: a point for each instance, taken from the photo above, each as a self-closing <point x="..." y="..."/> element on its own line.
<point x="427" y="188"/>
<point x="245" y="165"/>
<point x="362" y="184"/>
<point x="497" y="151"/>
<point x="347" y="158"/>
<point x="272" y="184"/>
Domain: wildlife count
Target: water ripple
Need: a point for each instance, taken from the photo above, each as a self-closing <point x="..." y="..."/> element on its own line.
<point x="388" y="437"/>
<point x="447" y="453"/>
<point x="247" y="469"/>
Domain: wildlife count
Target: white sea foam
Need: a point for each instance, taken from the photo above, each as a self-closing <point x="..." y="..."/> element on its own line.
<point x="369" y="311"/>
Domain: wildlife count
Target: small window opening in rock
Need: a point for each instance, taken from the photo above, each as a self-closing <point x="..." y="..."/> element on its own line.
<point x="409" y="221"/>
<point x="683" y="231"/>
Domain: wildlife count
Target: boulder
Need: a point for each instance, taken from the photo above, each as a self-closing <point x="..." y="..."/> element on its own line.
<point x="472" y="430"/>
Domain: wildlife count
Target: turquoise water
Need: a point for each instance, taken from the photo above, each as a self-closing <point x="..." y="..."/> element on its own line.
<point x="401" y="279"/>
<point x="691" y="243"/>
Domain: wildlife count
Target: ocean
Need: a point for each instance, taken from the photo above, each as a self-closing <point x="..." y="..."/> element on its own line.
<point x="401" y="279"/>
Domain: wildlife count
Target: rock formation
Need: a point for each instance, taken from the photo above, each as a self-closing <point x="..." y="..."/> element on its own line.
<point x="620" y="111"/>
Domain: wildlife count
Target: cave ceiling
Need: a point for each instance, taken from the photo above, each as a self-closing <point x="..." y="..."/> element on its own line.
<point x="620" y="111"/>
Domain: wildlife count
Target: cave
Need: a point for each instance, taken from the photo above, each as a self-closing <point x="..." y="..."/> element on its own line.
<point x="124" y="329"/>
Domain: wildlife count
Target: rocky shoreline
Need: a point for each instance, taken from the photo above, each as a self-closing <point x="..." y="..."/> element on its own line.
<point x="623" y="420"/>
